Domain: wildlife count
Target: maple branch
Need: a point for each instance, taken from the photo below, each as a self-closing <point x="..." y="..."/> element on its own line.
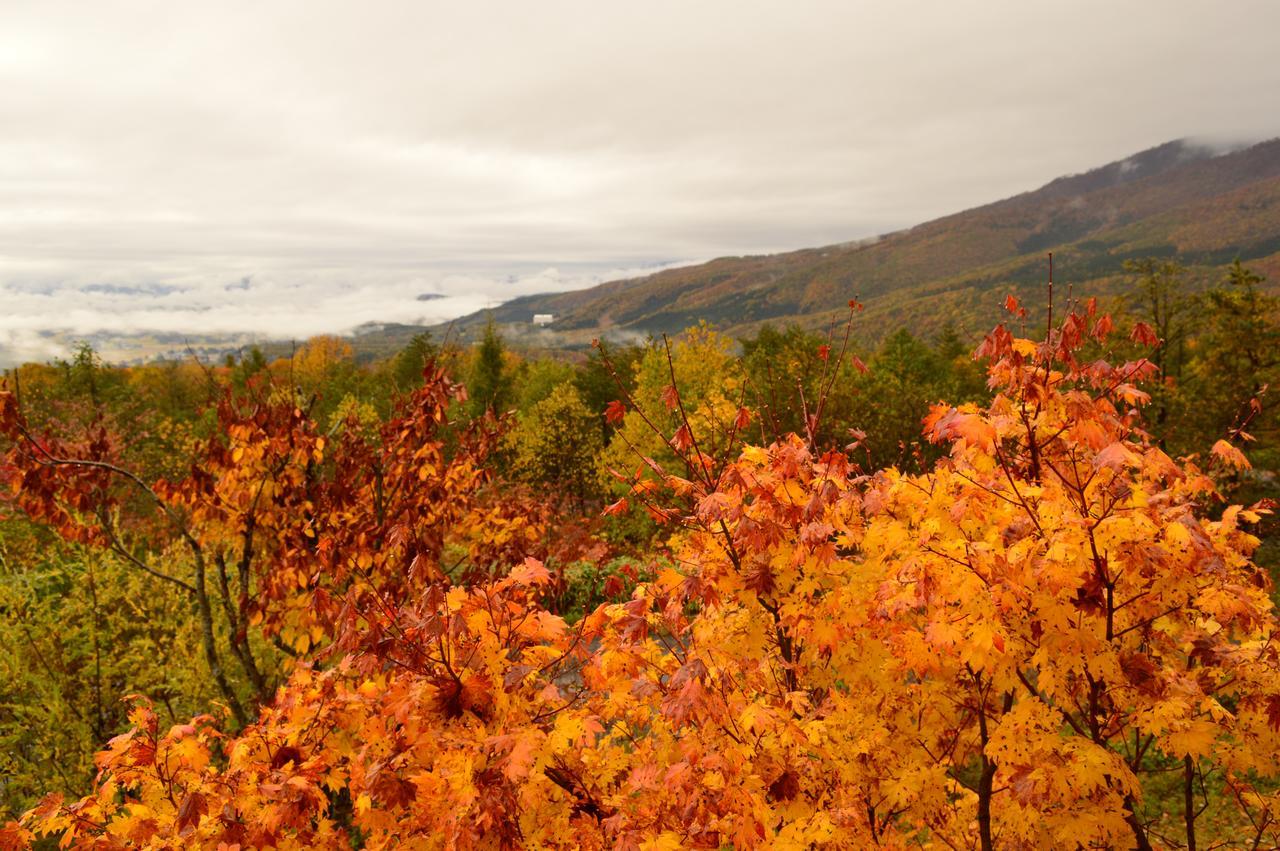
<point x="768" y="405"/>
<point x="54" y="461"/>
<point x="1035" y="520"/>
<point x="239" y="643"/>
<point x="1131" y="817"/>
<point x="1022" y="677"/>
<point x="560" y="775"/>
<point x="732" y="440"/>
<point x="684" y="417"/>
<point x="825" y="392"/>
<point x="115" y="545"/>
<point x="196" y="588"/>
<point x="547" y="713"/>
<point x="986" y="780"/>
<point x="790" y="653"/>
<point x="959" y="562"/>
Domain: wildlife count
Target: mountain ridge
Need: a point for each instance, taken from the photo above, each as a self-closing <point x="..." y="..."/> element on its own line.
<point x="1181" y="199"/>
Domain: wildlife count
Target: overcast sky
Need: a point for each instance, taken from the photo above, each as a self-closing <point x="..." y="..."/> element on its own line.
<point x="294" y="168"/>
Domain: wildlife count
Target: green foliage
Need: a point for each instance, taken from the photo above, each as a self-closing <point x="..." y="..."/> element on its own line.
<point x="588" y="584"/>
<point x="78" y="633"/>
<point x="252" y="362"/>
<point x="598" y="381"/>
<point x="1160" y="296"/>
<point x="901" y="384"/>
<point x="539" y="379"/>
<point x="1239" y="354"/>
<point x="86" y="377"/>
<point x="324" y="373"/>
<point x="877" y="405"/>
<point x="407" y="366"/>
<point x="556" y="443"/>
<point x="904" y="378"/>
<point x="489" y="384"/>
<point x="783" y="370"/>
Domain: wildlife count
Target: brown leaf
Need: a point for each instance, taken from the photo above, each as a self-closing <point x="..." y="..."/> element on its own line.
<point x="682" y="440"/>
<point x="785" y="788"/>
<point x="671" y="397"/>
<point x="1273" y="711"/>
<point x="189" y="812"/>
<point x="1142" y="673"/>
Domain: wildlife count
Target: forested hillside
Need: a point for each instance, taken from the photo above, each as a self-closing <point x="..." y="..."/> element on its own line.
<point x="1181" y="201"/>
<point x="784" y="591"/>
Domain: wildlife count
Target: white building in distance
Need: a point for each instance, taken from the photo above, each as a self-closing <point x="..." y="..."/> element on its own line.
<point x="543" y="318"/>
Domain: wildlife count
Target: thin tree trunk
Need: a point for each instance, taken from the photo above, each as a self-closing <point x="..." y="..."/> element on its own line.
<point x="210" y="642"/>
<point x="1139" y="832"/>
<point x="1189" y="801"/>
<point x="986" y="781"/>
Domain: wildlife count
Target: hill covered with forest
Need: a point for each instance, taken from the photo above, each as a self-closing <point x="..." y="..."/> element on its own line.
<point x="1182" y="200"/>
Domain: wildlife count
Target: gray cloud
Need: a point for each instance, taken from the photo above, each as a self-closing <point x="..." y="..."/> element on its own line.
<point x="347" y="157"/>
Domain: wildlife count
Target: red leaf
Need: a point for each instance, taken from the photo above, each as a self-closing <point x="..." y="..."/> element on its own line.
<point x="683" y="439"/>
<point x="671" y="397"/>
<point x="824" y="351"/>
<point x="614" y="412"/>
<point x="743" y="420"/>
<point x="619" y="507"/>
<point x="48" y="805"/>
<point x="1144" y="335"/>
<point x="859" y="365"/>
<point x="1011" y="304"/>
<point x="286" y="755"/>
<point x="786" y="787"/>
<point x="1141" y="673"/>
<point x="1102" y="327"/>
<point x="951" y="424"/>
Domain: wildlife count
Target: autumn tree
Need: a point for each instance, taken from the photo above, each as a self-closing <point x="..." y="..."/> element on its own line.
<point x="539" y="378"/>
<point x="260" y="533"/>
<point x="690" y="384"/>
<point x="556" y="444"/>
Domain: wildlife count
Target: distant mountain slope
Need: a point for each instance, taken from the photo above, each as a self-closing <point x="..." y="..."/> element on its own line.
<point x="1179" y="199"/>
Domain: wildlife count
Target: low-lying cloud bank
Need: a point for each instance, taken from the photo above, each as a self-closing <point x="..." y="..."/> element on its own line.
<point x="41" y="321"/>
